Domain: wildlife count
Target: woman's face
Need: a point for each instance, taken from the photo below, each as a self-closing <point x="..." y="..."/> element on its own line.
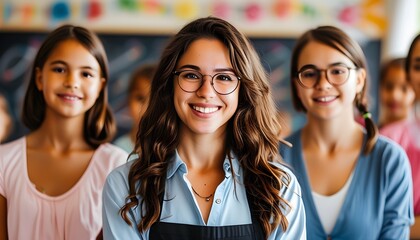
<point x="205" y="111"/>
<point x="414" y="70"/>
<point x="325" y="100"/>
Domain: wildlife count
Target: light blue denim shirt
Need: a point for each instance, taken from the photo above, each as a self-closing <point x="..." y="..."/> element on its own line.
<point x="228" y="208"/>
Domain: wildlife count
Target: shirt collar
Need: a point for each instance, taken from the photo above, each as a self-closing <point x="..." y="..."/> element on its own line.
<point x="176" y="164"/>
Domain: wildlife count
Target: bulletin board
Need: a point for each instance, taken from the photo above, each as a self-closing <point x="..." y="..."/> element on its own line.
<point x="127" y="51"/>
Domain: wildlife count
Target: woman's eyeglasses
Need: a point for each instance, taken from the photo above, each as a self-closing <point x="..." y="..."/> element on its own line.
<point x="336" y="75"/>
<point x="191" y="80"/>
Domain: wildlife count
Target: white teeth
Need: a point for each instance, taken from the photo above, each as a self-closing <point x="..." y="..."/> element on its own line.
<point x="205" y="110"/>
<point x="326" y="99"/>
<point x="71" y="98"/>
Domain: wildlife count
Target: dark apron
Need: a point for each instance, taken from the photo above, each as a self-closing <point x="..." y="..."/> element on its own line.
<point x="175" y="231"/>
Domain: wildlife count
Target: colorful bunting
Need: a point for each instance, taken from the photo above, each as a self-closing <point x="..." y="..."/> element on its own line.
<point x="360" y="14"/>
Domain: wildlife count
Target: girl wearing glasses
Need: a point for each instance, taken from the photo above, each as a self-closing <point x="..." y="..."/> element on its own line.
<point x="407" y="133"/>
<point x="207" y="147"/>
<point x="355" y="185"/>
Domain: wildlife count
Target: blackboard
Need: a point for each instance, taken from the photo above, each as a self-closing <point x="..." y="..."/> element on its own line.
<point x="127" y="51"/>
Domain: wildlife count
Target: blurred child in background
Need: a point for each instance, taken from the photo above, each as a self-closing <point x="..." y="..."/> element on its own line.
<point x="395" y="92"/>
<point x="138" y="100"/>
<point x="407" y="133"/>
<point x="6" y="122"/>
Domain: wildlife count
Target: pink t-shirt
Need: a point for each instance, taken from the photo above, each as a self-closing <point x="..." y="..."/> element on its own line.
<point x="76" y="214"/>
<point x="407" y="134"/>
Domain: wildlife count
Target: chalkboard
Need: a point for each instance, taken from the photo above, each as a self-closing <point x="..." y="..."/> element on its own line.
<point x="126" y="52"/>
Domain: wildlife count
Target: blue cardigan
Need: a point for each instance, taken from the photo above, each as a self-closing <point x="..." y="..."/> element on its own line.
<point x="378" y="204"/>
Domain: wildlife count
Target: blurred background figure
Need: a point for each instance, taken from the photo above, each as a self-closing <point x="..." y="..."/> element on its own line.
<point x="396" y="94"/>
<point x="6" y="123"/>
<point x="138" y="100"/>
<point x="407" y="133"/>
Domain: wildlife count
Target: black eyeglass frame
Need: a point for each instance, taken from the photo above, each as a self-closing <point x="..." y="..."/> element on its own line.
<point x="177" y="73"/>
<point x="319" y="71"/>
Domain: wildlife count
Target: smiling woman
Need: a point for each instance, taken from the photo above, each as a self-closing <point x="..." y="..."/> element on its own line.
<point x="355" y="185"/>
<point x="208" y="165"/>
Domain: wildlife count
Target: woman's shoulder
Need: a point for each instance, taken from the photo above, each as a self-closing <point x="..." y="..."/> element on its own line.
<point x="17" y="143"/>
<point x="111" y="154"/>
<point x="388" y="145"/>
<point x="388" y="153"/>
<point x="111" y="150"/>
<point x="117" y="179"/>
<point x="121" y="172"/>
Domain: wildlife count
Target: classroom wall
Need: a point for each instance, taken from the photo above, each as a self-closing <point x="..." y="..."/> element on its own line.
<point x="134" y="32"/>
<point x="286" y="18"/>
<point x="126" y="52"/>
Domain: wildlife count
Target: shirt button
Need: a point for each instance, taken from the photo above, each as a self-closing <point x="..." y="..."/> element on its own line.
<point x="218" y="201"/>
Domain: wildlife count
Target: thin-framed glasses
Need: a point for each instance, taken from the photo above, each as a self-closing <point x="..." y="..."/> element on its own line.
<point x="223" y="83"/>
<point x="309" y="76"/>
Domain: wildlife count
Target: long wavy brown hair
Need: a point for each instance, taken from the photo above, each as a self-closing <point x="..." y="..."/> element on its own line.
<point x="252" y="133"/>
<point x="340" y="41"/>
<point x="99" y="123"/>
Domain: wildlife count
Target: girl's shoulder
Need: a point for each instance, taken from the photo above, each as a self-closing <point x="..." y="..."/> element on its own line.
<point x="111" y="149"/>
<point x="388" y="145"/>
<point x="13" y="148"/>
<point x="117" y="180"/>
<point x="110" y="155"/>
<point x="17" y="143"/>
<point x="388" y="153"/>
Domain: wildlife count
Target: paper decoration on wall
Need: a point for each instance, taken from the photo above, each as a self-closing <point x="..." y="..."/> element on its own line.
<point x="349" y="14"/>
<point x="186" y="10"/>
<point x="152" y="7"/>
<point x="282" y="8"/>
<point x="60" y="11"/>
<point x="27" y="13"/>
<point x="309" y="10"/>
<point x="222" y="10"/>
<point x="368" y="16"/>
<point x="372" y="14"/>
<point x="94" y="10"/>
<point x="130" y="5"/>
<point x="253" y="12"/>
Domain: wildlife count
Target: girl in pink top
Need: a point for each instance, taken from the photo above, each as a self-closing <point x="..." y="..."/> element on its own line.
<point x="407" y="133"/>
<point x="51" y="180"/>
<point x="395" y="92"/>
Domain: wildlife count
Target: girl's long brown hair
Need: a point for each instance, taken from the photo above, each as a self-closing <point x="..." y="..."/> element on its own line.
<point x="252" y="134"/>
<point x="99" y="123"/>
<point x="337" y="39"/>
